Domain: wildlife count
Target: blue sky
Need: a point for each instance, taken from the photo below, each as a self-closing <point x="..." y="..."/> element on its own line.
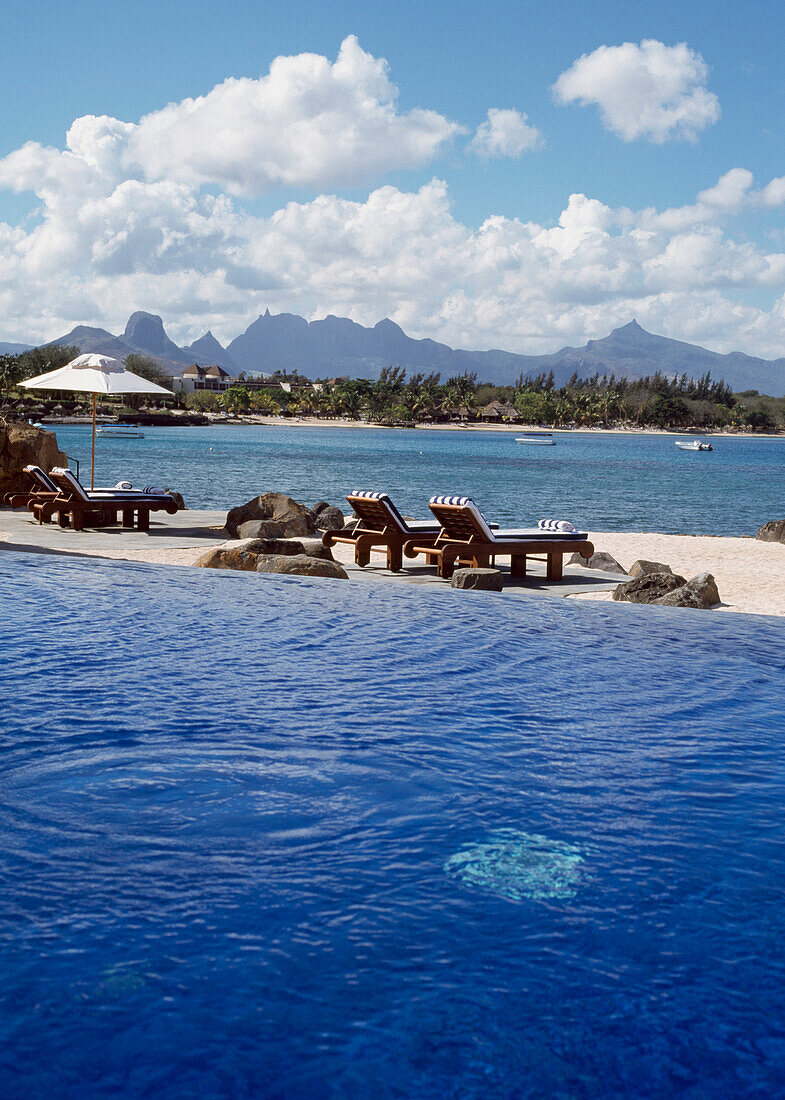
<point x="196" y="224"/>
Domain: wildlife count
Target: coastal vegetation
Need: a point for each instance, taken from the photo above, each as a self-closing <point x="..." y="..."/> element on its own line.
<point x="396" y="398"/>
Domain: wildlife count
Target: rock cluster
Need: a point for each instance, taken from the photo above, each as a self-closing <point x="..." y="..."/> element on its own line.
<point x="306" y="557"/>
<point x="275" y="516"/>
<point x="660" y="585"/>
<point x="21" y="445"/>
<point x="774" y="531"/>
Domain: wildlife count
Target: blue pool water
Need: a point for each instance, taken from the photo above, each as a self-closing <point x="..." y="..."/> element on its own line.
<point x="600" y="482"/>
<point x="273" y="837"/>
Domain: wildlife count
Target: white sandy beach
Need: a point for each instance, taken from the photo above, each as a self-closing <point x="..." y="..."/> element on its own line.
<point x="750" y="575"/>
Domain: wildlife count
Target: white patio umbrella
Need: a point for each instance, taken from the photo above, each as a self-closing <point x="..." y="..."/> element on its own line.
<point x="95" y="374"/>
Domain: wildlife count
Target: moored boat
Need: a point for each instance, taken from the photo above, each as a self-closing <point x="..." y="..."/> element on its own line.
<point x="694" y="445"/>
<point x="120" y="431"/>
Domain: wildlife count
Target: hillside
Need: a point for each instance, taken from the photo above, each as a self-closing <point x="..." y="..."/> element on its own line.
<point x="337" y="346"/>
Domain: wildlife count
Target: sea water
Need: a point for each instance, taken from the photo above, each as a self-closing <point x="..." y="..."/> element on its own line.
<point x="282" y="838"/>
<point x="602" y="482"/>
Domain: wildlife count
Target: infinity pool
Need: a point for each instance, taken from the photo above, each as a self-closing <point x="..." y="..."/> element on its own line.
<point x="272" y="837"/>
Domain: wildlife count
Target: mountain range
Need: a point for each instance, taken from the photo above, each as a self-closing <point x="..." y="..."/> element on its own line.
<point x="337" y="346"/>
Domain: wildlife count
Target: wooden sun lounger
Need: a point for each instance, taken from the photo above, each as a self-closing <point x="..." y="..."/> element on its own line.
<point x="381" y="525"/>
<point x="467" y="539"/>
<point x="77" y="506"/>
<point x="41" y="488"/>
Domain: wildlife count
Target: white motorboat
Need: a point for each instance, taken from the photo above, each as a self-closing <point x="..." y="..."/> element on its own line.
<point x="120" y="431"/>
<point x="536" y="440"/>
<point x="694" y="445"/>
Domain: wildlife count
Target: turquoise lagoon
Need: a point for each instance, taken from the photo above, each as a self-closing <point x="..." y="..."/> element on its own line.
<point x="599" y="481"/>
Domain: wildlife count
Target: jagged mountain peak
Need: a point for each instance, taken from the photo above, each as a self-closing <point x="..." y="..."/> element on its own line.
<point x="339" y="346"/>
<point x="146" y="332"/>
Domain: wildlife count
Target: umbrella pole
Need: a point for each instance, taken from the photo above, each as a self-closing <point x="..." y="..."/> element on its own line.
<point x="92" y="463"/>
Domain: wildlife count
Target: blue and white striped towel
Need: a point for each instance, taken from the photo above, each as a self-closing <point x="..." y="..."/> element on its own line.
<point x="562" y="525"/>
<point x="153" y="491"/>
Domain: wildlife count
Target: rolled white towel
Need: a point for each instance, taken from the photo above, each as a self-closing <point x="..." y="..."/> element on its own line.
<point x="123" y="485"/>
<point x="562" y="525"/>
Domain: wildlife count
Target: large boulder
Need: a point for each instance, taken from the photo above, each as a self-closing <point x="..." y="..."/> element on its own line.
<point x="483" y="580"/>
<point x="295" y="519"/>
<point x="600" y="560"/>
<point x="22" y="445"/>
<point x="701" y="592"/>
<point x="301" y="565"/>
<point x="648" y="588"/>
<point x="221" y="557"/>
<point x="315" y="548"/>
<point x="641" y="567"/>
<point x="329" y="519"/>
<point x="774" y="531"/>
<point x="260" y="529"/>
<point x="244" y="554"/>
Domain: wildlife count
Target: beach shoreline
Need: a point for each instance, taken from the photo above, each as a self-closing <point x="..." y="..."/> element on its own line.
<point x="251" y="420"/>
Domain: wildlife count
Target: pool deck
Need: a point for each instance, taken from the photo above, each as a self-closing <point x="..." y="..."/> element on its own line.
<point x="179" y="539"/>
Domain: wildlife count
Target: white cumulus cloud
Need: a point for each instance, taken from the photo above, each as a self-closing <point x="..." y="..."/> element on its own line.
<point x="307" y="123"/>
<point x="650" y="91"/>
<point x="201" y="261"/>
<point x="505" y="133"/>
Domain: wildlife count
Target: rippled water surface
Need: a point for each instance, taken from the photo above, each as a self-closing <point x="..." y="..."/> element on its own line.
<point x="600" y="482"/>
<point x="272" y="837"/>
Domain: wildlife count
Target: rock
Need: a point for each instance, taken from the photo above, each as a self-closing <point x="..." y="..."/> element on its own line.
<point x="485" y="580"/>
<point x="774" y="531"/>
<point x="351" y="524"/>
<point x="295" y="519"/>
<point x="329" y="519"/>
<point x="648" y="588"/>
<point x="606" y="562"/>
<point x="320" y="506"/>
<point x="22" y="445"/>
<point x="701" y="592"/>
<point x="301" y="565"/>
<point x="315" y="548"/>
<point x="261" y="529"/>
<point x="178" y="499"/>
<point x="231" y="558"/>
<point x="641" y="567"/>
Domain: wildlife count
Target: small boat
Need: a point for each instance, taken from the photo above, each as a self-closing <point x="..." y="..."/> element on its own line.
<point x="536" y="440"/>
<point x="695" y="445"/>
<point x="120" y="431"/>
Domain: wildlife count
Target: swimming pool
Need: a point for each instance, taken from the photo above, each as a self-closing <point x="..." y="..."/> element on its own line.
<point x="276" y="837"/>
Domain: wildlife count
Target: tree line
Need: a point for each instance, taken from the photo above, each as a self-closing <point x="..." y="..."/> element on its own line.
<point x="395" y="397"/>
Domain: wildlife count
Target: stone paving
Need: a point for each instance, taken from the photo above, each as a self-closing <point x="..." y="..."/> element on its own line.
<point x="180" y="539"/>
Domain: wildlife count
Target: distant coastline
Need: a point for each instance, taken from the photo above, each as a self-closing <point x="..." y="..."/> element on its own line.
<point x="251" y="420"/>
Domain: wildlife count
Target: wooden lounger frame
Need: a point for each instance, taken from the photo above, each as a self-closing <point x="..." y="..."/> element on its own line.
<point x="381" y="525"/>
<point x="466" y="540"/>
<point x="76" y="507"/>
<point x="41" y="488"/>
